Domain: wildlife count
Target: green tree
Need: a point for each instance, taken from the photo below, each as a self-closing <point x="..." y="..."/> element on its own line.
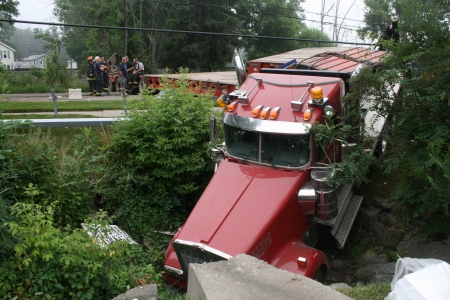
<point x="378" y="15"/>
<point x="8" y="10"/>
<point x="200" y="52"/>
<point x="270" y="18"/>
<point x="158" y="162"/>
<point x="420" y="115"/>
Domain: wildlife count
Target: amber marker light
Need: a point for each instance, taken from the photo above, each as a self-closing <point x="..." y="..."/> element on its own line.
<point x="316" y="93"/>
<point x="308" y="114"/>
<point x="301" y="261"/>
<point x="232" y="106"/>
<point x="265" y="113"/>
<point x="257" y="110"/>
<point x="275" y="112"/>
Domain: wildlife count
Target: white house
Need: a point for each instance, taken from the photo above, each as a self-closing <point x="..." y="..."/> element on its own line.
<point x="72" y="65"/>
<point x="7" y="56"/>
<point x="38" y="61"/>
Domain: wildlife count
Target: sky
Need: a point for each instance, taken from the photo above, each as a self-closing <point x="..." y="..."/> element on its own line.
<point x="41" y="10"/>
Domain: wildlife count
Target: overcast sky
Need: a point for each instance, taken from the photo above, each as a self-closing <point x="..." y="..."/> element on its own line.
<point x="41" y="10"/>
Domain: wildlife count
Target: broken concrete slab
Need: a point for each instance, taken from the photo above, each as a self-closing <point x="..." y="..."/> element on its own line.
<point x="145" y="292"/>
<point x="246" y="277"/>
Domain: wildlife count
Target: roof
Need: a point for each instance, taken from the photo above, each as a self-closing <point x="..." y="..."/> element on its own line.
<point x="34" y="57"/>
<point x="3" y="44"/>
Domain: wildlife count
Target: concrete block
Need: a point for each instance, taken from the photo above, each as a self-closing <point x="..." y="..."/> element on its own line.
<point x="75" y="94"/>
<point x="145" y="292"/>
<point x="246" y="277"/>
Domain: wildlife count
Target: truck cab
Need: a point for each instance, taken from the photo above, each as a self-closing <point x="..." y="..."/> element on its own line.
<point x="269" y="190"/>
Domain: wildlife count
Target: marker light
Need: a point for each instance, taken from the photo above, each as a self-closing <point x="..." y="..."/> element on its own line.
<point x="301" y="261"/>
<point x="232" y="106"/>
<point x="316" y="93"/>
<point x="308" y="114"/>
<point x="265" y="112"/>
<point x="257" y="110"/>
<point x="220" y="102"/>
<point x="275" y="112"/>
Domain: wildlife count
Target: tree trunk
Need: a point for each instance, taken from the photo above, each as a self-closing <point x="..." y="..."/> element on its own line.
<point x="125" y="37"/>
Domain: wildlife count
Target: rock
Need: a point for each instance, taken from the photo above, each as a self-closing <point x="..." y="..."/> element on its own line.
<point x="337" y="263"/>
<point x="145" y="292"/>
<point x="392" y="237"/>
<point x="376" y="273"/>
<point x="340" y="285"/>
<point x="417" y="248"/>
<point x="369" y="218"/>
<point x="333" y="276"/>
<point x="381" y="203"/>
<point x="372" y="258"/>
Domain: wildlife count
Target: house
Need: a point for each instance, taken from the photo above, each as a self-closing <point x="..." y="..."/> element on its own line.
<point x="7" y="56"/>
<point x="72" y="65"/>
<point x="38" y="61"/>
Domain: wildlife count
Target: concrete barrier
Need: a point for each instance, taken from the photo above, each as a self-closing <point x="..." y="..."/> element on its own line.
<point x="246" y="277"/>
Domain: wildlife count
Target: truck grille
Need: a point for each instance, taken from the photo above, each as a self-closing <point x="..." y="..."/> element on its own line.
<point x="196" y="253"/>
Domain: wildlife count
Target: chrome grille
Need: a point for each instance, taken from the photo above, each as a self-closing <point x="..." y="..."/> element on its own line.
<point x="196" y="253"/>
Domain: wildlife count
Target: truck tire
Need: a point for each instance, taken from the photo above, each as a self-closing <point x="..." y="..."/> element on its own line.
<point x="319" y="275"/>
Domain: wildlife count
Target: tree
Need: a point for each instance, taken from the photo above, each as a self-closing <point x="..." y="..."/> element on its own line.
<point x="419" y="149"/>
<point x="270" y="18"/>
<point x="8" y="9"/>
<point x="377" y="16"/>
<point x="158" y="164"/>
<point x="200" y="52"/>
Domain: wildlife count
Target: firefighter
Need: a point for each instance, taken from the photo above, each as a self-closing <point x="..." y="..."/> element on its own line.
<point x="138" y="70"/>
<point x="90" y="75"/>
<point x="99" y="68"/>
<point x="105" y="75"/>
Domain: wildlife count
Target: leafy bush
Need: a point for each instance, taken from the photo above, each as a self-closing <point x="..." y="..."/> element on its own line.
<point x="51" y="264"/>
<point x="158" y="161"/>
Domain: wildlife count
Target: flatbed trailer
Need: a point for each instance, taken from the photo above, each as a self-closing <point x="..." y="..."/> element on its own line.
<point x="340" y="59"/>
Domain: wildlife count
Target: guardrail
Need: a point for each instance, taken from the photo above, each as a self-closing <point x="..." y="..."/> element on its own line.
<point x="73" y="122"/>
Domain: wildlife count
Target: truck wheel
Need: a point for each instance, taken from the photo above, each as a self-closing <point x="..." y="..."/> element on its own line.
<point x="142" y="86"/>
<point x="117" y="84"/>
<point x="111" y="86"/>
<point x="319" y="275"/>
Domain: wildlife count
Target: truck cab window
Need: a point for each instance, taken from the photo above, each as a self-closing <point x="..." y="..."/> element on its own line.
<point x="285" y="150"/>
<point x="242" y="143"/>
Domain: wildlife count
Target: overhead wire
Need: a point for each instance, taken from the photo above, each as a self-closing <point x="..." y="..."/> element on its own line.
<point x="238" y="35"/>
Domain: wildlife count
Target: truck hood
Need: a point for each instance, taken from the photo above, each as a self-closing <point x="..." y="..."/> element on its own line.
<point x="240" y="204"/>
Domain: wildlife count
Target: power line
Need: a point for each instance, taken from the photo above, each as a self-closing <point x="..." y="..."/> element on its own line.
<point x="185" y="31"/>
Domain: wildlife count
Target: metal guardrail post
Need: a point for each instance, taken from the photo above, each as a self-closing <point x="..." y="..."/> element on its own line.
<point x="55" y="108"/>
<point x="125" y="103"/>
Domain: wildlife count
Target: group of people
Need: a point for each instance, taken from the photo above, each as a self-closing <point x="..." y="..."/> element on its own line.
<point x="125" y="74"/>
<point x="97" y="74"/>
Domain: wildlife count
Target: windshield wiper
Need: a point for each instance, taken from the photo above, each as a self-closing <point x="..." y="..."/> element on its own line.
<point x="250" y="154"/>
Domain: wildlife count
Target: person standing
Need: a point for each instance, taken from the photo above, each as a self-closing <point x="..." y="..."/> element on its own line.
<point x="138" y="70"/>
<point x="123" y="76"/>
<point x="105" y="75"/>
<point x="98" y="76"/>
<point x="90" y="75"/>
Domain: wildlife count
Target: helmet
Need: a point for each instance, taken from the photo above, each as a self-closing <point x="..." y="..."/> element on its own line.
<point x="89" y="58"/>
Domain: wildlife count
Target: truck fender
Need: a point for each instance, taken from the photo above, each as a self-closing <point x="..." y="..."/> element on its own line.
<point x="286" y="258"/>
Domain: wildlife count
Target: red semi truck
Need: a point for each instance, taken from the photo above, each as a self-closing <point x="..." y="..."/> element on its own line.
<point x="269" y="190"/>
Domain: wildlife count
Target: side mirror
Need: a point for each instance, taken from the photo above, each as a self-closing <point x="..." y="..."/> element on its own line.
<point x="212" y="129"/>
<point x="239" y="67"/>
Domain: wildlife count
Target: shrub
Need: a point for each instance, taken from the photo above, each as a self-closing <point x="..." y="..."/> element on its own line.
<point x="158" y="161"/>
<point x="51" y="264"/>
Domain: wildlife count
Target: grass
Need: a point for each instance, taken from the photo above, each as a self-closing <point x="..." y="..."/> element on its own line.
<point x="373" y="291"/>
<point x="47" y="106"/>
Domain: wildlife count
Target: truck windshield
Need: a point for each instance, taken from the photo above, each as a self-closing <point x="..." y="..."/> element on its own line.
<point x="276" y="149"/>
